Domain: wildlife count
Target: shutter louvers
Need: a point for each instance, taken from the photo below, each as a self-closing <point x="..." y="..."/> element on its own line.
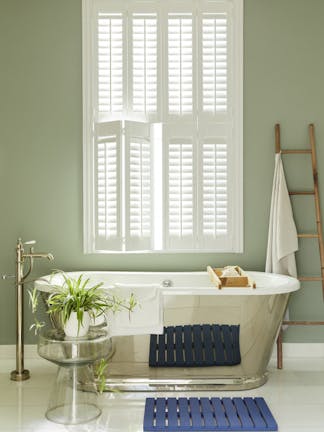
<point x="138" y="186"/>
<point x="180" y="190"/>
<point x="180" y="66"/>
<point x="108" y="193"/>
<point x="144" y="64"/>
<point x="214" y="188"/>
<point x="110" y="63"/>
<point x="214" y="63"/>
<point x="213" y="195"/>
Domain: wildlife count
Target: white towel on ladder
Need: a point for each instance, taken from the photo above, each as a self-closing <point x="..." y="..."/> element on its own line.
<point x="282" y="237"/>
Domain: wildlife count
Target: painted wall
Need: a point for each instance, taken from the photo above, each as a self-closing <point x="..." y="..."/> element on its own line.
<point x="41" y="142"/>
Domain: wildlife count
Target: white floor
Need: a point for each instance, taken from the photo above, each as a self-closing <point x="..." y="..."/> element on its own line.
<point x="295" y="396"/>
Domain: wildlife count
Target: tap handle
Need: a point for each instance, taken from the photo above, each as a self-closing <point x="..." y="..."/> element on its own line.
<point x="7" y="276"/>
<point x="30" y="242"/>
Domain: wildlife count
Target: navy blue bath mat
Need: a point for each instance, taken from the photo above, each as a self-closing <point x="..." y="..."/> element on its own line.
<point x="196" y="345"/>
<point x="204" y="414"/>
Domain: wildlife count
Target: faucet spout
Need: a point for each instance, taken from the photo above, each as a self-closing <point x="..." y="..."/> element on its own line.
<point x="49" y="256"/>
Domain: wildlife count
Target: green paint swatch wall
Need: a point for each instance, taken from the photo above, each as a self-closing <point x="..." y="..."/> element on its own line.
<point x="41" y="143"/>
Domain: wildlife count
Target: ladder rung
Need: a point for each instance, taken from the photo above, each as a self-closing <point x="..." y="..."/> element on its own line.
<point x="296" y="151"/>
<point x="301" y="193"/>
<point x="303" y="323"/>
<point x="309" y="278"/>
<point x="307" y="235"/>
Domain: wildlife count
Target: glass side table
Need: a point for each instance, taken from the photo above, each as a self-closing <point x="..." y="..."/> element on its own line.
<point x="73" y="399"/>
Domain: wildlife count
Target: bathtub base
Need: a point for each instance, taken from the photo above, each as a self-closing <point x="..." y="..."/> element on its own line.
<point x="194" y="384"/>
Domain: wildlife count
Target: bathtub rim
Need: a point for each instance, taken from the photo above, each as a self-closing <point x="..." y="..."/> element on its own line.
<point x="287" y="284"/>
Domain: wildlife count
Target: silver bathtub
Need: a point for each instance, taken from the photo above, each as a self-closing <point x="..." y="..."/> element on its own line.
<point x="192" y="299"/>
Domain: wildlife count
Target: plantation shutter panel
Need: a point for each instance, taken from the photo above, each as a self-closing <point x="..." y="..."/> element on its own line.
<point x="111" y="70"/>
<point x="180" y="191"/>
<point x="108" y="230"/>
<point x="219" y="155"/>
<point x="214" y="192"/>
<point x="213" y="63"/>
<point x="181" y="46"/>
<point x="144" y="64"/>
<point x="213" y="188"/>
<point x="138" y="179"/>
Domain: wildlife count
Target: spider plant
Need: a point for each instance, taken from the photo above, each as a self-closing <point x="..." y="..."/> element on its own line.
<point x="75" y="295"/>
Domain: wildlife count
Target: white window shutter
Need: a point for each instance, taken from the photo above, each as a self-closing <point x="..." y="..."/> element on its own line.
<point x="213" y="188"/>
<point x="213" y="63"/>
<point x="144" y="64"/>
<point x="180" y="65"/>
<point x="110" y="65"/>
<point x="180" y="191"/>
<point x="108" y="229"/>
<point x="219" y="189"/>
<point x="138" y="186"/>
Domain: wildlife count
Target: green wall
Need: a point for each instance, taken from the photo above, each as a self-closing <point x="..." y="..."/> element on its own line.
<point x="41" y="141"/>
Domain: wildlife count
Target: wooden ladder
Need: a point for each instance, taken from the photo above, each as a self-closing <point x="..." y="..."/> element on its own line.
<point x="318" y="234"/>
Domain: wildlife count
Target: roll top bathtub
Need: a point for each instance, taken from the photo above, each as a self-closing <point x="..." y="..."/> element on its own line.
<point x="244" y="321"/>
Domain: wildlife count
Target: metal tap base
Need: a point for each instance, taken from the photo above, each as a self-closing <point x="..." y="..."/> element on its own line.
<point x="23" y="376"/>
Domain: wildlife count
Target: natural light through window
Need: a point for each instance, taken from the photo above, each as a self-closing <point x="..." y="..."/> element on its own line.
<point x="162" y="89"/>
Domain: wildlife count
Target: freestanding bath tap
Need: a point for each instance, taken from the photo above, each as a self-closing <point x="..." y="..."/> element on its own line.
<point x="22" y="374"/>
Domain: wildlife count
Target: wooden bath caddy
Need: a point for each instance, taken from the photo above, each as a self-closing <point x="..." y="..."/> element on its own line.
<point x="243" y="280"/>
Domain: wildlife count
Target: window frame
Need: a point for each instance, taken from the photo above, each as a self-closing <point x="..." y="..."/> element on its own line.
<point x="235" y="158"/>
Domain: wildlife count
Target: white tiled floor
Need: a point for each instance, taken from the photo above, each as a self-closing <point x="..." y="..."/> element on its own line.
<point x="295" y="396"/>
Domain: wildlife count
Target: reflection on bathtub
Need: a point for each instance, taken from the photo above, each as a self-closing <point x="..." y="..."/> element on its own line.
<point x="199" y="322"/>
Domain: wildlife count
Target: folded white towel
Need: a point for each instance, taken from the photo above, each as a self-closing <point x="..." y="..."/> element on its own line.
<point x="229" y="271"/>
<point x="282" y="238"/>
<point x="147" y="317"/>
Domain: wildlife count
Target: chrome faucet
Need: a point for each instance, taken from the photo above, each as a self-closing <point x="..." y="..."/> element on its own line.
<point x="22" y="374"/>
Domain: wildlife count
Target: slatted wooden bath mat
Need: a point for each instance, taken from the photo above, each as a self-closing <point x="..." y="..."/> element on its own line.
<point x="196" y="345"/>
<point x="204" y="414"/>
